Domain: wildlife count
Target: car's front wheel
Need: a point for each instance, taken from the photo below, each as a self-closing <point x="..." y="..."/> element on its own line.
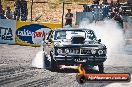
<point x="101" y="68"/>
<point x="50" y="63"/>
<point x="53" y="65"/>
<point x="46" y="62"/>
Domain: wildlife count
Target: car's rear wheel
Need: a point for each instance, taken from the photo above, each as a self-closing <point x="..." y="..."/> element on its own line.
<point x="101" y="68"/>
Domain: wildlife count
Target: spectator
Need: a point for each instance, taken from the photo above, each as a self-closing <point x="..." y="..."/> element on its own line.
<point x="117" y="4"/>
<point x="2" y="13"/>
<point x="119" y="19"/>
<point x="116" y="9"/>
<point x="86" y="8"/>
<point x="17" y="5"/>
<point x="129" y="2"/>
<point x="68" y="18"/>
<point x="114" y="12"/>
<point x="96" y="2"/>
<point x="111" y="3"/>
<point x="24" y="10"/>
<point x="105" y="2"/>
<point x="8" y="13"/>
<point x="1" y="9"/>
<point x="111" y="15"/>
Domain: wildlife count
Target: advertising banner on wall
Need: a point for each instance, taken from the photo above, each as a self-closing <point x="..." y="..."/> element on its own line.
<point x="7" y="31"/>
<point x="32" y="33"/>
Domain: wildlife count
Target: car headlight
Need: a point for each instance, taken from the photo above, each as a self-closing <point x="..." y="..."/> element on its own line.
<point x="59" y="51"/>
<point x="67" y="50"/>
<point x="93" y="51"/>
<point x="58" y="44"/>
<point x="100" y="52"/>
<point x="100" y="47"/>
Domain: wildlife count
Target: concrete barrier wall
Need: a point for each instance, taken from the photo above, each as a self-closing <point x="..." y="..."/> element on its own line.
<point x="7" y="31"/>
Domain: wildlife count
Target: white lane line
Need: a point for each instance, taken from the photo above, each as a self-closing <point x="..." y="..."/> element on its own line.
<point x="3" y="64"/>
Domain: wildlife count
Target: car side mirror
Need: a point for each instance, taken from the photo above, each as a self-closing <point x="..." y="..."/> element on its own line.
<point x="99" y="40"/>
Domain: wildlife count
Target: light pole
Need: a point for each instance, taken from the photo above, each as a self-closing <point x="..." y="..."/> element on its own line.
<point x="31" y="10"/>
<point x="63" y="14"/>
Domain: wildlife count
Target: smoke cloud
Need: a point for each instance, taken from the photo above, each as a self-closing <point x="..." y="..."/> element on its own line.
<point x="38" y="60"/>
<point x="110" y="34"/>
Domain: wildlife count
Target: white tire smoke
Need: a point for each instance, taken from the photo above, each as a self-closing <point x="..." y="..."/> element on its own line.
<point x="110" y="34"/>
<point x="38" y="61"/>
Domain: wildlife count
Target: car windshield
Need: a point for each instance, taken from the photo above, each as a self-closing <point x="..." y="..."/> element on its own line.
<point x="67" y="34"/>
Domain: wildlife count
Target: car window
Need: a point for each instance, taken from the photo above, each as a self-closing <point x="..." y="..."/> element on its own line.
<point x="73" y="33"/>
<point x="68" y="34"/>
<point x="60" y="35"/>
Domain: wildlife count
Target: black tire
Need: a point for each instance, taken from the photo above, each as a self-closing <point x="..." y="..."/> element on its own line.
<point x="53" y="65"/>
<point x="101" y="68"/>
<point x="46" y="62"/>
<point x="81" y="79"/>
